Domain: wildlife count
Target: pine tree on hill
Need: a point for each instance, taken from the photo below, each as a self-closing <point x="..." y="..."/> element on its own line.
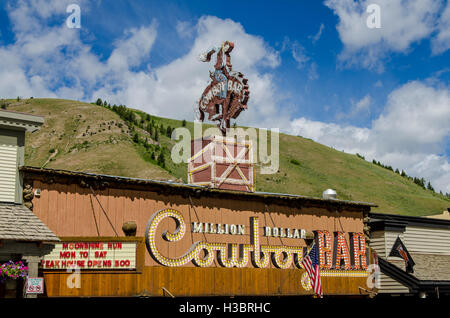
<point x="169" y="131"/>
<point x="161" y="160"/>
<point x="136" y="138"/>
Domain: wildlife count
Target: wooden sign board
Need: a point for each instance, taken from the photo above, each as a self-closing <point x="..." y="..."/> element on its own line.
<point x="223" y="163"/>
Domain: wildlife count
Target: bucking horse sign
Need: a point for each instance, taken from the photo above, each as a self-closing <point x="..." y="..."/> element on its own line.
<point x="227" y="94"/>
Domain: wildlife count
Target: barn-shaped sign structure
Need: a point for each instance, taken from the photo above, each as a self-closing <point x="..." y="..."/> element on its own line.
<point x="222" y="162"/>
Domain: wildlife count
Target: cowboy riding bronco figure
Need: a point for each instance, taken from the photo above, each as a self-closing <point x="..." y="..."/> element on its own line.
<point x="227" y="94"/>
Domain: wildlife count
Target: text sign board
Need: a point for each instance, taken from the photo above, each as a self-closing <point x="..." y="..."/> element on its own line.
<point x="35" y="285"/>
<point x="92" y="256"/>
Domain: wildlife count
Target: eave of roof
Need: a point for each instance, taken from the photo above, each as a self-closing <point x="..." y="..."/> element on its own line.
<point x="18" y="223"/>
<point x="393" y="220"/>
<point x="20" y="121"/>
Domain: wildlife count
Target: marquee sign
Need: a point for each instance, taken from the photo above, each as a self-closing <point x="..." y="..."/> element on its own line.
<point x="92" y="256"/>
<point x="203" y="254"/>
<point x="227" y="94"/>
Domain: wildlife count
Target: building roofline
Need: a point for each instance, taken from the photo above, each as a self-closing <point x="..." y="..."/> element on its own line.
<point x="196" y="190"/>
<point x="397" y="221"/>
<point x="21" y="121"/>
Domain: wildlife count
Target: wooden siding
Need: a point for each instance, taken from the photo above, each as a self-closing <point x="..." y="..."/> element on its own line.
<point x="189" y="281"/>
<point x="382" y="243"/>
<point x="389" y="239"/>
<point x="427" y="240"/>
<point x="8" y="169"/>
<point x="391" y="286"/>
<point x="421" y="240"/>
<point x="378" y="243"/>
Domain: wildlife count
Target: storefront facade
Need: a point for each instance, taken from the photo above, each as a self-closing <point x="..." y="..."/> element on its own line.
<point x="24" y="238"/>
<point x="192" y="240"/>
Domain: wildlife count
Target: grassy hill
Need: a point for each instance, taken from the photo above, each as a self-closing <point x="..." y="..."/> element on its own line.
<point x="82" y="137"/>
<point x="127" y="142"/>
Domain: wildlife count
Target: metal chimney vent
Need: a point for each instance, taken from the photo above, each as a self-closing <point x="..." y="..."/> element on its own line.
<point x="329" y="194"/>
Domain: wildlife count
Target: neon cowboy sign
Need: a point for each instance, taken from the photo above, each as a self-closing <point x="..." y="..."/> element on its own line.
<point x="203" y="254"/>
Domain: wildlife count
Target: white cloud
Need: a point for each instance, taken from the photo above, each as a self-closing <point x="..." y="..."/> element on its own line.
<point x="363" y="105"/>
<point x="416" y="117"/>
<point x="359" y="109"/>
<point x="35" y="60"/>
<point x="317" y="36"/>
<point x="409" y="135"/>
<point x="133" y="49"/>
<point x="185" y="29"/>
<point x="299" y="54"/>
<point x="403" y="23"/>
<point x="441" y="42"/>
<point x="312" y="72"/>
<point x="348" y="138"/>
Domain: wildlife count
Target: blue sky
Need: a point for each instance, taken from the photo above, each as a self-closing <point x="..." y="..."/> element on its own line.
<point x="313" y="66"/>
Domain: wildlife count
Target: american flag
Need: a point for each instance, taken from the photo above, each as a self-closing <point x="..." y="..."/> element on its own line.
<point x="311" y="265"/>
